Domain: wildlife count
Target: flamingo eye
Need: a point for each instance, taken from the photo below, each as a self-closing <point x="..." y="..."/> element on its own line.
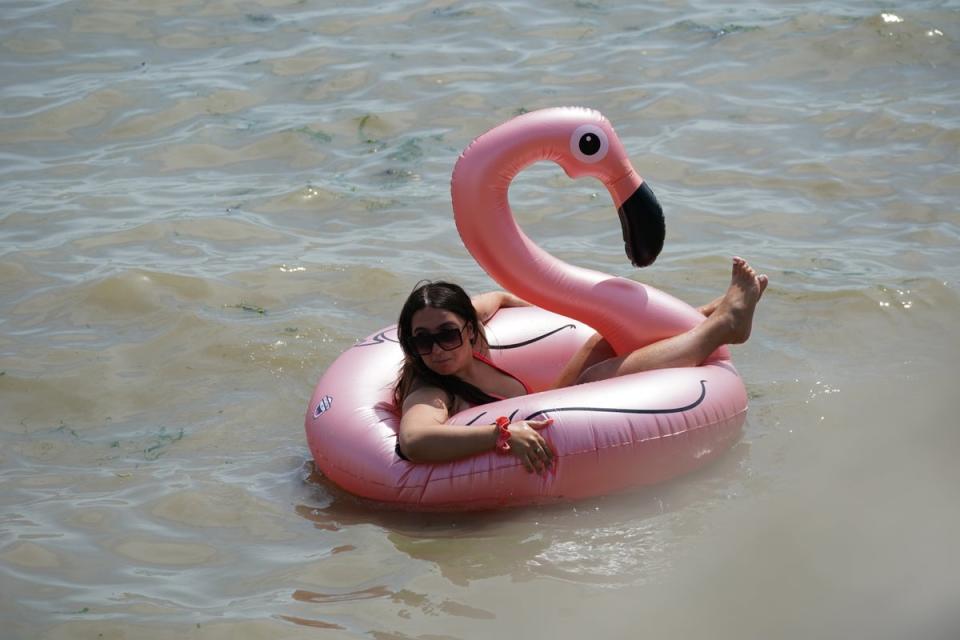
<point x="589" y="143"/>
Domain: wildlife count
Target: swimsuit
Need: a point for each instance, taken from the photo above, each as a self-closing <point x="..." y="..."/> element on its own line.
<point x="486" y="361"/>
<point x="479" y="356"/>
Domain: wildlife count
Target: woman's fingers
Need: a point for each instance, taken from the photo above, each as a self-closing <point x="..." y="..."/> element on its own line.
<point x="539" y="459"/>
<point x="542" y="450"/>
<point x="538" y="463"/>
<point x="531" y="447"/>
<point x="540" y="424"/>
<point x="545" y="449"/>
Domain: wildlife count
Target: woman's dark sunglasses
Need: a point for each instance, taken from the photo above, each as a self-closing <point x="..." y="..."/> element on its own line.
<point x="446" y="339"/>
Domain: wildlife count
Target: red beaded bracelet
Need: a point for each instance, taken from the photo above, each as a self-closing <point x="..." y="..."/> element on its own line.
<point x="503" y="435"/>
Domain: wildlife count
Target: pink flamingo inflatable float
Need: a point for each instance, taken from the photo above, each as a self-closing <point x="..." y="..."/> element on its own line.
<point x="610" y="435"/>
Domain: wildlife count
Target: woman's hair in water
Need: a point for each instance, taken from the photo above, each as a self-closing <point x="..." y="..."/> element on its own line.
<point x="449" y="297"/>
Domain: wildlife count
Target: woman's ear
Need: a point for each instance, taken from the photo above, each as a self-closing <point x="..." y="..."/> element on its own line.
<point x="473" y="334"/>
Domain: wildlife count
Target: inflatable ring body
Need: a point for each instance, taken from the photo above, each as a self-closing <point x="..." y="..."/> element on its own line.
<point x="609" y="435"/>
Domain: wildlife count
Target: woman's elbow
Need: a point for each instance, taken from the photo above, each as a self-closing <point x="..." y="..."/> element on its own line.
<point x="410" y="447"/>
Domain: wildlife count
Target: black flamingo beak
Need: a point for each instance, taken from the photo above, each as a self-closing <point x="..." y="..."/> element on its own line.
<point x="641" y="219"/>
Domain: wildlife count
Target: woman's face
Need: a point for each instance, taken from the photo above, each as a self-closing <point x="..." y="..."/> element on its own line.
<point x="431" y="321"/>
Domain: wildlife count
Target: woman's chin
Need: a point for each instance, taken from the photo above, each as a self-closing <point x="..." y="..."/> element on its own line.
<point x="444" y="368"/>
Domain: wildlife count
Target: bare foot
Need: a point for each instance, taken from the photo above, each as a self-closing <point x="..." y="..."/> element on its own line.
<point x="735" y="308"/>
<point x="711" y="306"/>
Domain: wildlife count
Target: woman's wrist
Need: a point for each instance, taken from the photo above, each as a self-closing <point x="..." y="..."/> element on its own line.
<point x="503" y="435"/>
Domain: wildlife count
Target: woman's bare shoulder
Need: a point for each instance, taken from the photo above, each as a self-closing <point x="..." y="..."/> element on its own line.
<point x="422" y="393"/>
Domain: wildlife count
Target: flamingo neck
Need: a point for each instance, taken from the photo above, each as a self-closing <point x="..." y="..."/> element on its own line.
<point x="628" y="314"/>
<point x="490" y="232"/>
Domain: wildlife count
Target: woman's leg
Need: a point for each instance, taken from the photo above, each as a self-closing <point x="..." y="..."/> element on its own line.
<point x="594" y="351"/>
<point x="729" y="320"/>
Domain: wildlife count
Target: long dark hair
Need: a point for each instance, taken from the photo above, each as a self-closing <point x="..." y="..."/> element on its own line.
<point x="449" y="297"/>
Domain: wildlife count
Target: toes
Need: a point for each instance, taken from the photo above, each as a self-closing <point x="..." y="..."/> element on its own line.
<point x="740" y="263"/>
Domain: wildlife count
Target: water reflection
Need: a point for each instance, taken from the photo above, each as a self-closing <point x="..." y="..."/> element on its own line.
<point x="608" y="541"/>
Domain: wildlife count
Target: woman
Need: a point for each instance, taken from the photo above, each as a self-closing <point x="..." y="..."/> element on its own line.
<point x="447" y="367"/>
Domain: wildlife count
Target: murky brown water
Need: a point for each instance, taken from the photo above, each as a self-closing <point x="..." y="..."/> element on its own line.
<point x="204" y="203"/>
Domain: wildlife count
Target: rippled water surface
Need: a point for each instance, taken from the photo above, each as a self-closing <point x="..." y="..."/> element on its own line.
<point x="204" y="202"/>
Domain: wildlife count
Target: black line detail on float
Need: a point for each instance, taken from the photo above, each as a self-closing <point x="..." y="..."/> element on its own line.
<point x="517" y="345"/>
<point x="380" y="338"/>
<point x="695" y="403"/>
<point x="483" y="413"/>
<point x="692" y="405"/>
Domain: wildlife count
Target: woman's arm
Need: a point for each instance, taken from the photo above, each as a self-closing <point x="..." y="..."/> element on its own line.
<point x="425" y="437"/>
<point x="487" y="304"/>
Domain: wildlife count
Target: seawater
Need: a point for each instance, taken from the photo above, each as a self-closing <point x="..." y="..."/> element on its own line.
<point x="204" y="202"/>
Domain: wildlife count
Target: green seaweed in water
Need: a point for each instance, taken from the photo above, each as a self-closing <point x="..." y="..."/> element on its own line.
<point x="368" y="122"/>
<point x="260" y="18"/>
<point x="164" y="440"/>
<point x="409" y="150"/>
<point x="63" y="428"/>
<point x="247" y="307"/>
<point x="319" y="136"/>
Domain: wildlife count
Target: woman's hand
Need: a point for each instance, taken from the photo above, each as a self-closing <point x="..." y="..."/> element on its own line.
<point x="487" y="304"/>
<point x="529" y="446"/>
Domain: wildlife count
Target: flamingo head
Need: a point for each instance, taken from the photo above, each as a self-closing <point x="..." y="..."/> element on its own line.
<point x="585" y="144"/>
